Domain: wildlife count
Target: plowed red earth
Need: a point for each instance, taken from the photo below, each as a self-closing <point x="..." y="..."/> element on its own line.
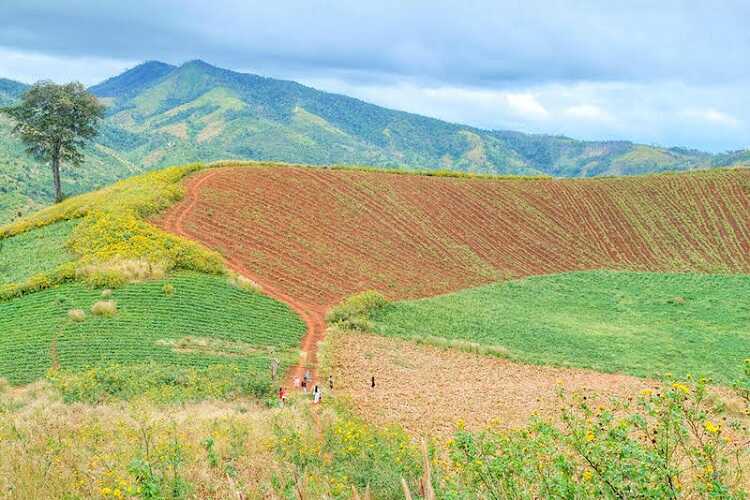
<point x="312" y="236"/>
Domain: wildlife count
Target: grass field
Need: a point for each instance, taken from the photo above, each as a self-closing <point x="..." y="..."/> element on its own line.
<point x="322" y="234"/>
<point x="204" y="322"/>
<point x="36" y="251"/>
<point x="644" y="324"/>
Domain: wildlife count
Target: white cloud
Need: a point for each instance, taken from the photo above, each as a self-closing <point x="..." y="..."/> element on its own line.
<point x="712" y="116"/>
<point x="29" y="67"/>
<point x="526" y="105"/>
<point x="587" y="112"/>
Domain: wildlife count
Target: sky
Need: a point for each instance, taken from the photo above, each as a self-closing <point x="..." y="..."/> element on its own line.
<point x="667" y="72"/>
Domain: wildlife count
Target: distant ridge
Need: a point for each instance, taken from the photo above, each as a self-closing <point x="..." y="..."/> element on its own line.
<point x="160" y="114"/>
<point x="133" y="80"/>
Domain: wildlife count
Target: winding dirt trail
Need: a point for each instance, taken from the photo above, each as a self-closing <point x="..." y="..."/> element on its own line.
<point x="312" y="315"/>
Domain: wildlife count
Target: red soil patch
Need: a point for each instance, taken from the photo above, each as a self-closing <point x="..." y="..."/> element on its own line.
<point x="312" y="236"/>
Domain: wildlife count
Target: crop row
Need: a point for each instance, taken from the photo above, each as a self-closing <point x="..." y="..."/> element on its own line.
<point x="320" y="235"/>
<point x="36" y="332"/>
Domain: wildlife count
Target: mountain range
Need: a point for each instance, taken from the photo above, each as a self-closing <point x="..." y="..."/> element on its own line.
<point x="159" y="114"/>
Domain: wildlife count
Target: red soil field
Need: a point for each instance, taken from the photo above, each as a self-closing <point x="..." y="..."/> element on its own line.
<point x="312" y="236"/>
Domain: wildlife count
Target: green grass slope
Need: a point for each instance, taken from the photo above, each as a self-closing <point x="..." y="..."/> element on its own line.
<point x="644" y="324"/>
<point x="37" y="251"/>
<point x="233" y="328"/>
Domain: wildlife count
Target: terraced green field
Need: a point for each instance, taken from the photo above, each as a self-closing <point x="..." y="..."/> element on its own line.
<point x="645" y="324"/>
<point x="204" y="322"/>
<point x="33" y="252"/>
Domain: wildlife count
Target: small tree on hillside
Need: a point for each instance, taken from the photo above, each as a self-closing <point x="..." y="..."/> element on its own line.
<point x="55" y="122"/>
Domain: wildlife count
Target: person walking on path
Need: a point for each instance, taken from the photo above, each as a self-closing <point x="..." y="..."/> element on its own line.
<point x="274" y="368"/>
<point x="317" y="396"/>
<point x="304" y="385"/>
<point x="282" y="396"/>
<point x="330" y="382"/>
<point x="308" y="376"/>
<point x="372" y="382"/>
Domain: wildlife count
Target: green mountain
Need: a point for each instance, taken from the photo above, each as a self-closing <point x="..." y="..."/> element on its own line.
<point x="160" y="114"/>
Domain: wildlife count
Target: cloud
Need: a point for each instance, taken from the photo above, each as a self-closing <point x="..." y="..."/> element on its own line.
<point x="587" y="112"/>
<point x="655" y="72"/>
<point x="29" y="67"/>
<point x="712" y="117"/>
<point x="527" y="106"/>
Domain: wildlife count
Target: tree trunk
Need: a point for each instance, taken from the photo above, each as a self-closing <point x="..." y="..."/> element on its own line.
<point x="56" y="177"/>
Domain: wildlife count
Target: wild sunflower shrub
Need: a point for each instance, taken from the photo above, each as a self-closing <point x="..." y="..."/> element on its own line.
<point x="342" y="452"/>
<point x="672" y="442"/>
<point x="113" y="229"/>
<point x="354" y="312"/>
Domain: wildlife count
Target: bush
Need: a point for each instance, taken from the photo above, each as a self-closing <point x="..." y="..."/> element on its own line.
<point x="168" y="289"/>
<point x="674" y="441"/>
<point x="355" y="312"/>
<point x="104" y="308"/>
<point x="77" y="315"/>
<point x="106" y="293"/>
<point x="158" y="383"/>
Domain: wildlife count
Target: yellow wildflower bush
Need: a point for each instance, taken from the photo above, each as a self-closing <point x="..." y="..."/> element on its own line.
<point x="113" y="230"/>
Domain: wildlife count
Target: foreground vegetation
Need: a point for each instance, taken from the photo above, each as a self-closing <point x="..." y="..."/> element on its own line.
<point x="675" y="441"/>
<point x="644" y="324"/>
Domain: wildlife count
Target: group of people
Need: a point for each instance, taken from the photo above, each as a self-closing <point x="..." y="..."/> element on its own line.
<point x="304" y="383"/>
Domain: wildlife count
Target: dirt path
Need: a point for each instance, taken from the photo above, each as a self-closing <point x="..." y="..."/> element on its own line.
<point x="312" y="315"/>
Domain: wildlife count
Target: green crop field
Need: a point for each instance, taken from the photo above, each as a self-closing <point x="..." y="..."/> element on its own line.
<point x="35" y="251"/>
<point x="644" y="324"/>
<point x="204" y="322"/>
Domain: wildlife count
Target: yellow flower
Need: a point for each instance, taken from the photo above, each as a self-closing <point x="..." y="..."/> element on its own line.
<point x="587" y="475"/>
<point x="682" y="388"/>
<point x="711" y="427"/>
<point x="590" y="437"/>
<point x="646" y="392"/>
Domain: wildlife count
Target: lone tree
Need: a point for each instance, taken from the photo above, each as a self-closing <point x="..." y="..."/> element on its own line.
<point x="55" y="122"/>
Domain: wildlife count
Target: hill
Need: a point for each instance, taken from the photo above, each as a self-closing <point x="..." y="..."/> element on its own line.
<point x="162" y="115"/>
<point x="320" y="235"/>
<point x="165" y="352"/>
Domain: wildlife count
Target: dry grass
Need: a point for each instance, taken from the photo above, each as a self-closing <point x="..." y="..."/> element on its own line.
<point x="77" y="315"/>
<point x="243" y="283"/>
<point x="209" y="346"/>
<point x="427" y="388"/>
<point x="54" y="450"/>
<point x="104" y="308"/>
<point x="119" y="272"/>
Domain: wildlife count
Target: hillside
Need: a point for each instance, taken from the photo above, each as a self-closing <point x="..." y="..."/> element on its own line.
<point x="320" y="235"/>
<point x="135" y="362"/>
<point x="161" y="115"/>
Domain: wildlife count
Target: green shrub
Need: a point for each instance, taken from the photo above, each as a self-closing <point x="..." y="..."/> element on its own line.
<point x="158" y="383"/>
<point x="341" y="452"/>
<point x="354" y="312"/>
<point x="673" y="442"/>
<point x="168" y="289"/>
